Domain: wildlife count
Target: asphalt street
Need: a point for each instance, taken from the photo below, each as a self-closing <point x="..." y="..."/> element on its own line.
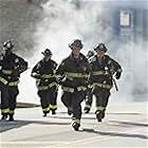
<point x="125" y="125"/>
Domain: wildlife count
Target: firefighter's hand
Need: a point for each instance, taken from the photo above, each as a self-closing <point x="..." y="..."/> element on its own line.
<point x="46" y="80"/>
<point x="15" y="73"/>
<point x="60" y="79"/>
<point x="118" y="75"/>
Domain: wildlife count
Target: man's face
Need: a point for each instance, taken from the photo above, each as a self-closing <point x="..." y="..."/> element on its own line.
<point x="100" y="53"/>
<point x="6" y="51"/>
<point x="47" y="57"/>
<point x="76" y="51"/>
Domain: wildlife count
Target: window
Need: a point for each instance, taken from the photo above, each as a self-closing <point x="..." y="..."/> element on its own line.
<point x="125" y="18"/>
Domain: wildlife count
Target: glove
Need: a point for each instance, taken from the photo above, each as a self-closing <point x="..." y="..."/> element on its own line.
<point x="45" y="80"/>
<point x="15" y="73"/>
<point x="118" y="75"/>
<point x="60" y="79"/>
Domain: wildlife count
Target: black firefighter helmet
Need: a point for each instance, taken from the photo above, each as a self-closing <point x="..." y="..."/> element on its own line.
<point x="76" y="44"/>
<point x="90" y="53"/>
<point x="8" y="44"/>
<point x="47" y="52"/>
<point x="100" y="47"/>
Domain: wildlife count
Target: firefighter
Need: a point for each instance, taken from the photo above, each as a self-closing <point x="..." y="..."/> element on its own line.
<point x="44" y="73"/>
<point x="104" y="68"/>
<point x="11" y="66"/>
<point x="74" y="71"/>
<point x="89" y="96"/>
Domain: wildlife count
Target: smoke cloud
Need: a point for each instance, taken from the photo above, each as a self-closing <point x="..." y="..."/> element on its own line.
<point x="64" y="21"/>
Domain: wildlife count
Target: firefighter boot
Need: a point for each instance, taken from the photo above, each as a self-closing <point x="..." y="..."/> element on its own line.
<point x="11" y="118"/>
<point x="4" y="116"/>
<point x="99" y="116"/>
<point x="76" y="126"/>
<point x="45" y="113"/>
<point x="53" y="112"/>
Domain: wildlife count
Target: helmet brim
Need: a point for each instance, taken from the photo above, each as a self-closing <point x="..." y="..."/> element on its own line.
<point x="45" y="54"/>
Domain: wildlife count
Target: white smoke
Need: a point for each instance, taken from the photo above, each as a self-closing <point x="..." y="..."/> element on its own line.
<point x="133" y="84"/>
<point x="62" y="22"/>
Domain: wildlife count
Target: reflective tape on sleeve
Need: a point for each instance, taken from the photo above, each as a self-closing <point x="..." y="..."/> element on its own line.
<point x="42" y="87"/>
<point x="15" y="83"/>
<point x="98" y="73"/>
<point x="4" y="81"/>
<point x="106" y="86"/>
<point x="76" y="75"/>
<point x="53" y="84"/>
<point x="81" y="88"/>
<point x="68" y="89"/>
<point x="48" y="76"/>
<point x="7" y="72"/>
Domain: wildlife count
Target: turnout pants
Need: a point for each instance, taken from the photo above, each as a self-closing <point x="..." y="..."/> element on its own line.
<point x="8" y="99"/>
<point x="48" y="99"/>
<point x="73" y="101"/>
<point x="102" y="97"/>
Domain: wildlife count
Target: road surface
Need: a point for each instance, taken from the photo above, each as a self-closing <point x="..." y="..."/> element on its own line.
<point x="125" y="125"/>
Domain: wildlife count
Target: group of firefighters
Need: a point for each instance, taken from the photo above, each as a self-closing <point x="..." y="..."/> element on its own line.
<point x="80" y="77"/>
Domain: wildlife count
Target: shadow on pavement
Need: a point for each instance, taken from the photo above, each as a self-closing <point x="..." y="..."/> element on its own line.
<point x="129" y="123"/>
<point x="5" y="125"/>
<point x="8" y="125"/>
<point x="58" y="116"/>
<point x="114" y="134"/>
<point x="69" y="117"/>
<point x="111" y="113"/>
